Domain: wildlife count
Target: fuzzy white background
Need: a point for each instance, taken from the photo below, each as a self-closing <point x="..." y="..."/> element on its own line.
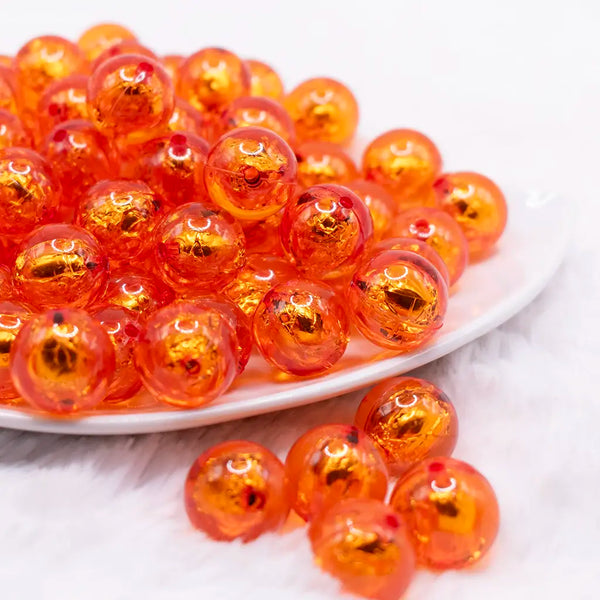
<point x="508" y="88"/>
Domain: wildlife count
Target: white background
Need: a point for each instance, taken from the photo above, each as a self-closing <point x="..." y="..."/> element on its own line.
<point x="511" y="89"/>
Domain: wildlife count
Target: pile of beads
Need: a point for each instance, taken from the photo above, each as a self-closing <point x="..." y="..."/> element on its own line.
<point x="442" y="513"/>
<point x="162" y="216"/>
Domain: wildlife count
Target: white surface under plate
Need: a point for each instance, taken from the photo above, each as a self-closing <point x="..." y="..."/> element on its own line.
<point x="489" y="293"/>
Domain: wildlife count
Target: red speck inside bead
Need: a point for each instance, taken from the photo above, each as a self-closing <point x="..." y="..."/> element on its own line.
<point x="131" y="330"/>
<point x="436" y="467"/>
<point x="178" y="140"/>
<point x="59" y="135"/>
<point x="346" y="202"/>
<point x="145" y="68"/>
<point x="422" y="225"/>
<point x="53" y="109"/>
<point x="392" y="521"/>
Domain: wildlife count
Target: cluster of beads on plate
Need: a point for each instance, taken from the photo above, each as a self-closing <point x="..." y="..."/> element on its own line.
<point x="161" y="217"/>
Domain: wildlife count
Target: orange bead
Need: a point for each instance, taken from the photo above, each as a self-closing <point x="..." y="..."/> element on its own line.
<point x="12" y="132"/>
<point x="129" y="93"/>
<point x="124" y="329"/>
<point x="323" y="162"/>
<point x="172" y="63"/>
<point x="478" y="206"/>
<point x="363" y="543"/>
<point x="324" y="110"/>
<point x="96" y="39"/>
<point x="198" y="247"/>
<point x="6" y="61"/>
<point x="6" y="287"/>
<point x="397" y="299"/>
<point x="60" y="265"/>
<point x="440" y="231"/>
<point x="13" y="315"/>
<point x="380" y="203"/>
<point x="325" y="231"/>
<point x="8" y="94"/>
<point x="332" y="462"/>
<point x="236" y="490"/>
<point x="262" y="237"/>
<point x="187" y="355"/>
<point x="251" y="173"/>
<point x="264" y="81"/>
<point x="213" y="77"/>
<point x="186" y="118"/>
<point x="124" y="47"/>
<point x="301" y="327"/>
<point x="409" y="420"/>
<point x="450" y="510"/>
<point x="405" y="162"/>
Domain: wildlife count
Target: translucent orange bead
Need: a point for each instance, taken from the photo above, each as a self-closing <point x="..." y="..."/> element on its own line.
<point x="251" y="173"/>
<point x="60" y="265"/>
<point x="332" y="462"/>
<point x="363" y="543"/>
<point x="6" y="61"/>
<point x="97" y="39"/>
<point x="124" y="329"/>
<point x="6" y="288"/>
<point x="129" y="93"/>
<point x="29" y="194"/>
<point x="403" y="161"/>
<point x="264" y="81"/>
<point x="380" y="203"/>
<point x="440" y="231"/>
<point x="262" y="237"/>
<point x="236" y="490"/>
<point x="325" y="231"/>
<point x="172" y="63"/>
<point x="397" y="299"/>
<point x="409" y="420"/>
<point x="199" y="247"/>
<point x="478" y="206"/>
<point x="213" y="77"/>
<point x="323" y="162"/>
<point x="450" y="510"/>
<point x="125" y="47"/>
<point x="8" y="94"/>
<point x="186" y="118"/>
<point x="187" y="355"/>
<point x="12" y="132"/>
<point x="13" y="315"/>
<point x="324" y="110"/>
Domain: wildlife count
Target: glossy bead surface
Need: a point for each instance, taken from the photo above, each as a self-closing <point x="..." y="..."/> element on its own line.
<point x="236" y="490"/>
<point x="397" y="299"/>
<point x="323" y="162"/>
<point x="332" y="462"/>
<point x="477" y="205"/>
<point x="96" y="39"/>
<point x="440" y="231"/>
<point x="62" y="361"/>
<point x="409" y="420"/>
<point x="8" y="93"/>
<point x="251" y="173"/>
<point x="12" y="132"/>
<point x="264" y="80"/>
<point x="380" y="203"/>
<point x="188" y="119"/>
<point x="6" y="287"/>
<point x="450" y="510"/>
<point x="60" y="265"/>
<point x="172" y="63"/>
<point x="326" y="230"/>
<point x="13" y="315"/>
<point x="324" y="110"/>
<point x="187" y="354"/>
<point x="120" y="49"/>
<point x="262" y="237"/>
<point x="364" y="543"/>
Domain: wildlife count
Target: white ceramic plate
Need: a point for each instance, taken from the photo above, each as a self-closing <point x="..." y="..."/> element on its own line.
<point x="488" y="294"/>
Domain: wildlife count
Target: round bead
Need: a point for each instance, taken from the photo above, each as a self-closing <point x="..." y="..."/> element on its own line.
<point x="409" y="420"/>
<point x="440" y="231"/>
<point x="129" y="93"/>
<point x="187" y="118"/>
<point x="187" y="355"/>
<point x="199" y="247"/>
<point x="332" y="462"/>
<point x="96" y="39"/>
<point x="323" y="162"/>
<point x="325" y="231"/>
<point x="380" y="203"/>
<point x="6" y="287"/>
<point x="301" y="327"/>
<point x="397" y="299"/>
<point x="262" y="237"/>
<point x="8" y="94"/>
<point x="12" y="132"/>
<point x="124" y="47"/>
<point x="60" y="265"/>
<point x="324" y="110"/>
<point x="172" y="63"/>
<point x="363" y="543"/>
<point x="236" y="490"/>
<point x="264" y="81"/>
<point x="478" y="206"/>
<point x="403" y="161"/>
<point x="13" y="315"/>
<point x="450" y="510"/>
<point x="62" y="361"/>
<point x="251" y="173"/>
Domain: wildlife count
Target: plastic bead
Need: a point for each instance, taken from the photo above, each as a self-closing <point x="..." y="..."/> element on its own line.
<point x="186" y="118"/>
<point x="251" y="173"/>
<point x="325" y="231"/>
<point x="8" y="94"/>
<point x="172" y="63"/>
<point x="478" y="206"/>
<point x="332" y="462"/>
<point x="97" y="39"/>
<point x="122" y="48"/>
<point x="409" y="420"/>
<point x="262" y="237"/>
<point x="450" y="510"/>
<point x="187" y="355"/>
<point x="380" y="203"/>
<point x="440" y="231"/>
<point x="60" y="265"/>
<point x="6" y="61"/>
<point x="397" y="299"/>
<point x="12" y="132"/>
<point x="6" y="288"/>
<point x="13" y="315"/>
<point x="363" y="543"/>
<point x="323" y="162"/>
<point x="236" y="490"/>
<point x="324" y="110"/>
<point x="264" y="81"/>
